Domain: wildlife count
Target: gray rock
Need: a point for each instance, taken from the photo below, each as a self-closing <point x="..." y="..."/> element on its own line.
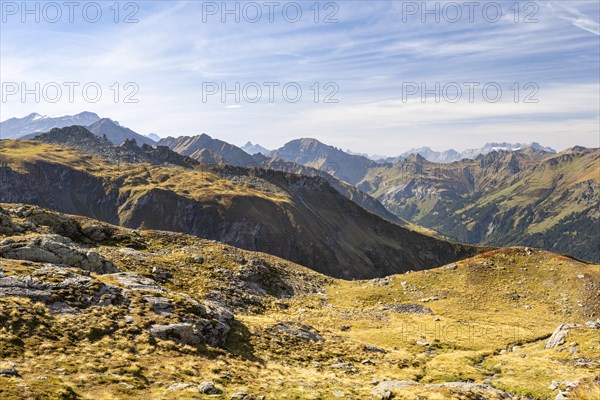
<point x="65" y="291"/>
<point x="374" y="349"/>
<point x="133" y="281"/>
<point x="407" y="308"/>
<point x="9" y="372"/>
<point x="558" y="336"/>
<point x="241" y="396"/>
<point x="55" y="249"/>
<point x="179" y="386"/>
<point x="208" y="388"/>
<point x="593" y="324"/>
<point x="345" y="365"/>
<point x="382" y="395"/>
<point x="180" y="333"/>
<point x="160" y="305"/>
<point x="301" y="331"/>
<point x="388" y="386"/>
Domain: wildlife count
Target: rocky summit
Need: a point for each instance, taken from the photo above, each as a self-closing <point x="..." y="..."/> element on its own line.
<point x="93" y="310"/>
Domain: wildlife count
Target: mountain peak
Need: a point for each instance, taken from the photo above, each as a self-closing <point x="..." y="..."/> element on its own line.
<point x="34" y="123"/>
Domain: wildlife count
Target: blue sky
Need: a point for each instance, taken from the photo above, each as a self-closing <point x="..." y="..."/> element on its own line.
<point x="371" y="54"/>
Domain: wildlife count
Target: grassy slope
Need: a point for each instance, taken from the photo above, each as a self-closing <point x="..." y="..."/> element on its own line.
<point x="480" y="310"/>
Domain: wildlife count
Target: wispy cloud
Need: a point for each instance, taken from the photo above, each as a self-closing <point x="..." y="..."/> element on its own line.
<point x="369" y="54"/>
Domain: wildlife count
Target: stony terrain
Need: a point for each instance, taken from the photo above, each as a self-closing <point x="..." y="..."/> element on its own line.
<point x="92" y="310"/>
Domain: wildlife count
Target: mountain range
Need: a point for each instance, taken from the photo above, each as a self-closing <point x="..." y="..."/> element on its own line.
<point x="452" y="155"/>
<point x="33" y="124"/>
<point x="470" y="200"/>
<point x="312" y="153"/>
<point x="300" y="218"/>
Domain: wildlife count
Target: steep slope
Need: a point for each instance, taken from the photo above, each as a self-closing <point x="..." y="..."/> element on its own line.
<point x="188" y="145"/>
<point x="312" y="153"/>
<point x="364" y="200"/>
<point x="299" y="218"/>
<point x="33" y="123"/>
<point x="117" y="133"/>
<point x="501" y="198"/>
<point x="179" y="317"/>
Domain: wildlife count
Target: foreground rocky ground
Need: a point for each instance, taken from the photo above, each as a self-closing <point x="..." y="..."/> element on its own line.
<point x="91" y="310"/>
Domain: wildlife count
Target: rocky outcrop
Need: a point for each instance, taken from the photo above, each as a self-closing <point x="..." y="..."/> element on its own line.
<point x="559" y="336"/>
<point x="297" y="330"/>
<point x="55" y="249"/>
<point x="63" y="290"/>
<point x="407" y="308"/>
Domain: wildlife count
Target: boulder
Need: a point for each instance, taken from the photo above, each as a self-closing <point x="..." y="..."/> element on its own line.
<point x="180" y="333"/>
<point x="208" y="388"/>
<point x="558" y="336"/>
<point x="298" y="330"/>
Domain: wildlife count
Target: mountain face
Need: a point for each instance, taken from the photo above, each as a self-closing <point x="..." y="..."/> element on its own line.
<point x="299" y="218"/>
<point x="93" y="310"/>
<point x="117" y="133"/>
<point x="362" y="199"/>
<point x="35" y="123"/>
<point x="254" y="149"/>
<point x="312" y="153"/>
<point x="188" y="145"/>
<point x="505" y="197"/>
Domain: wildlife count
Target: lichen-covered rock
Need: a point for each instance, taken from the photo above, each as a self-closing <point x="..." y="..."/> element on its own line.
<point x="559" y="335"/>
<point x="64" y="291"/>
<point x="55" y="249"/>
<point x="407" y="308"/>
<point x="298" y="330"/>
<point x="180" y="333"/>
<point x="208" y="388"/>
